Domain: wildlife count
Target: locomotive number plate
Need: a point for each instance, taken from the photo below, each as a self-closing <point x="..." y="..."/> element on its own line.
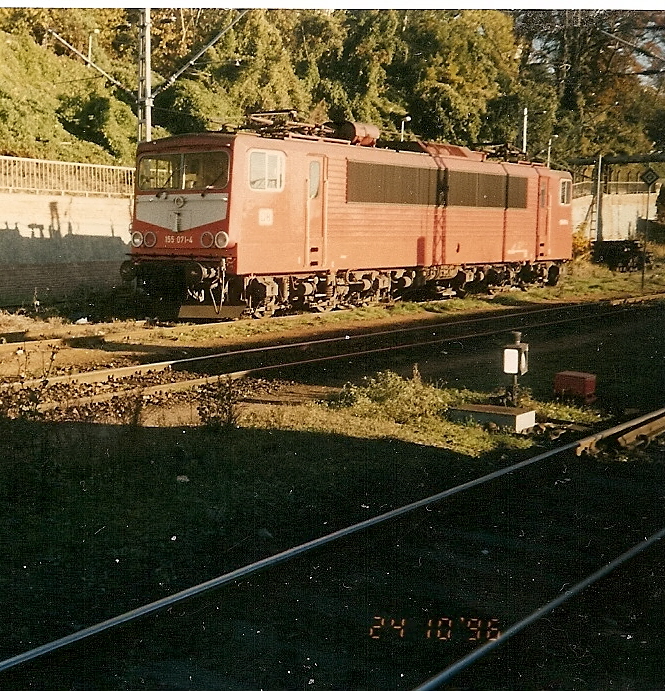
<point x="179" y="239"/>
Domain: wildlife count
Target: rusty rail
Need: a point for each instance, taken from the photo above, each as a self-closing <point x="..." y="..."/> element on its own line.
<point x="629" y="435"/>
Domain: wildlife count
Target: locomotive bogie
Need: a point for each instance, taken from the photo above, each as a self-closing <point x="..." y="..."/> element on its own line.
<point x="230" y="224"/>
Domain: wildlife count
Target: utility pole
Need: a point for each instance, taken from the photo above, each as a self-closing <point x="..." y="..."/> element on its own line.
<point x="599" y="198"/>
<point x="145" y="96"/>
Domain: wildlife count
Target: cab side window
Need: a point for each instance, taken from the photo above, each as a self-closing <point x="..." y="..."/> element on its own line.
<point x="314" y="179"/>
<point x="566" y="192"/>
<point x="266" y="170"/>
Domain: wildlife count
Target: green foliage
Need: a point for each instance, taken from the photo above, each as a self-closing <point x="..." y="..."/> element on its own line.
<point x="456" y="64"/>
<point x="463" y="76"/>
<point x="189" y="106"/>
<point x="33" y="119"/>
<point x="256" y="69"/>
<point x="101" y="120"/>
<point x="371" y="39"/>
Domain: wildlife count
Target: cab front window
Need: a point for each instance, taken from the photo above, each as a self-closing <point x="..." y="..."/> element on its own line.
<point x="190" y="171"/>
<point x="160" y="172"/>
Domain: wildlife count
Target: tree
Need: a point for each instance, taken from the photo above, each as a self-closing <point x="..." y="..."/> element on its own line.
<point x="357" y="85"/>
<point x="454" y="64"/>
<point x="596" y="61"/>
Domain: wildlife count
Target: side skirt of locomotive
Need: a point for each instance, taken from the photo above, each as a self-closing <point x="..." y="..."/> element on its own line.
<point x="193" y="290"/>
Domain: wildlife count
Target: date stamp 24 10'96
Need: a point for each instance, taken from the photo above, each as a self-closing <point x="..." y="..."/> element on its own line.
<point x="442" y="629"/>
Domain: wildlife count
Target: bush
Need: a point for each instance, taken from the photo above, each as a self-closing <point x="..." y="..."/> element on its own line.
<point x="390" y="396"/>
<point x="218" y="403"/>
<point x="581" y="244"/>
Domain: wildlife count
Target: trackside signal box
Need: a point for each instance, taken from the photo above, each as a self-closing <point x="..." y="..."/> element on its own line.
<point x="581" y="385"/>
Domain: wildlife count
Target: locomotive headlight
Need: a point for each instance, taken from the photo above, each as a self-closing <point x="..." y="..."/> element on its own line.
<point x="221" y="240"/>
<point x="137" y="239"/>
<point x="149" y="239"/>
<point x="207" y="240"/>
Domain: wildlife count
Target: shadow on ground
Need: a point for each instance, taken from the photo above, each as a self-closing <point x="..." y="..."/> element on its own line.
<point x="100" y="519"/>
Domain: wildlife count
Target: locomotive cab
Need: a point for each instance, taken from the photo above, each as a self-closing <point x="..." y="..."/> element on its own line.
<point x="181" y="242"/>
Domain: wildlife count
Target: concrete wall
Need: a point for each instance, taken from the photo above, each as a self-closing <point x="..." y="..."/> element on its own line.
<point x="55" y="245"/>
<point x="621" y="213"/>
<point x="65" y="214"/>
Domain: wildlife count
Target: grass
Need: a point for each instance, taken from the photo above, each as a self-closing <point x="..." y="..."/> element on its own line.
<point x="583" y="281"/>
<point x="387" y="406"/>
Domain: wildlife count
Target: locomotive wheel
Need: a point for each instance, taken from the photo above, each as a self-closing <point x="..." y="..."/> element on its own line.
<point x="262" y="313"/>
<point x="264" y="310"/>
<point x="322" y="307"/>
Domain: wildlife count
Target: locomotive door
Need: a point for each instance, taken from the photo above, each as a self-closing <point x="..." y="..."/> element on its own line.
<point x="316" y="212"/>
<point x="543" y="225"/>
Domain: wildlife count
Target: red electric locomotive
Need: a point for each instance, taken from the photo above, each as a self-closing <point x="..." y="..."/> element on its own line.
<point x="251" y="222"/>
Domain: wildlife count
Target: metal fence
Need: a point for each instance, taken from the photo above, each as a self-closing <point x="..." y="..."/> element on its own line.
<point x="582" y="189"/>
<point x="58" y="177"/>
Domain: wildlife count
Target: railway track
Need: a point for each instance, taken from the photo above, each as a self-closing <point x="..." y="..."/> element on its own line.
<point x="442" y="551"/>
<point x="636" y="434"/>
<point x="559" y="582"/>
<point x="180" y="374"/>
<point x="98" y="340"/>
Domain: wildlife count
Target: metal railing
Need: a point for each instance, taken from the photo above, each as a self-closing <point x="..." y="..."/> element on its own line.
<point x="59" y="177"/>
<point x="583" y="189"/>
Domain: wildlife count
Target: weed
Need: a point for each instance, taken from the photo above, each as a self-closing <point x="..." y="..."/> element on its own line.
<point x="22" y="403"/>
<point x="126" y="410"/>
<point x="387" y="395"/>
<point x="47" y="368"/>
<point x="218" y="403"/>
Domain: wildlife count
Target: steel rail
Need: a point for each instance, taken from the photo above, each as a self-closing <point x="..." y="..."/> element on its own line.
<point x="123" y="372"/>
<point x="66" y="341"/>
<point x="293" y="552"/>
<point x="239" y="374"/>
<point x="464" y="662"/>
<point x="527" y="311"/>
